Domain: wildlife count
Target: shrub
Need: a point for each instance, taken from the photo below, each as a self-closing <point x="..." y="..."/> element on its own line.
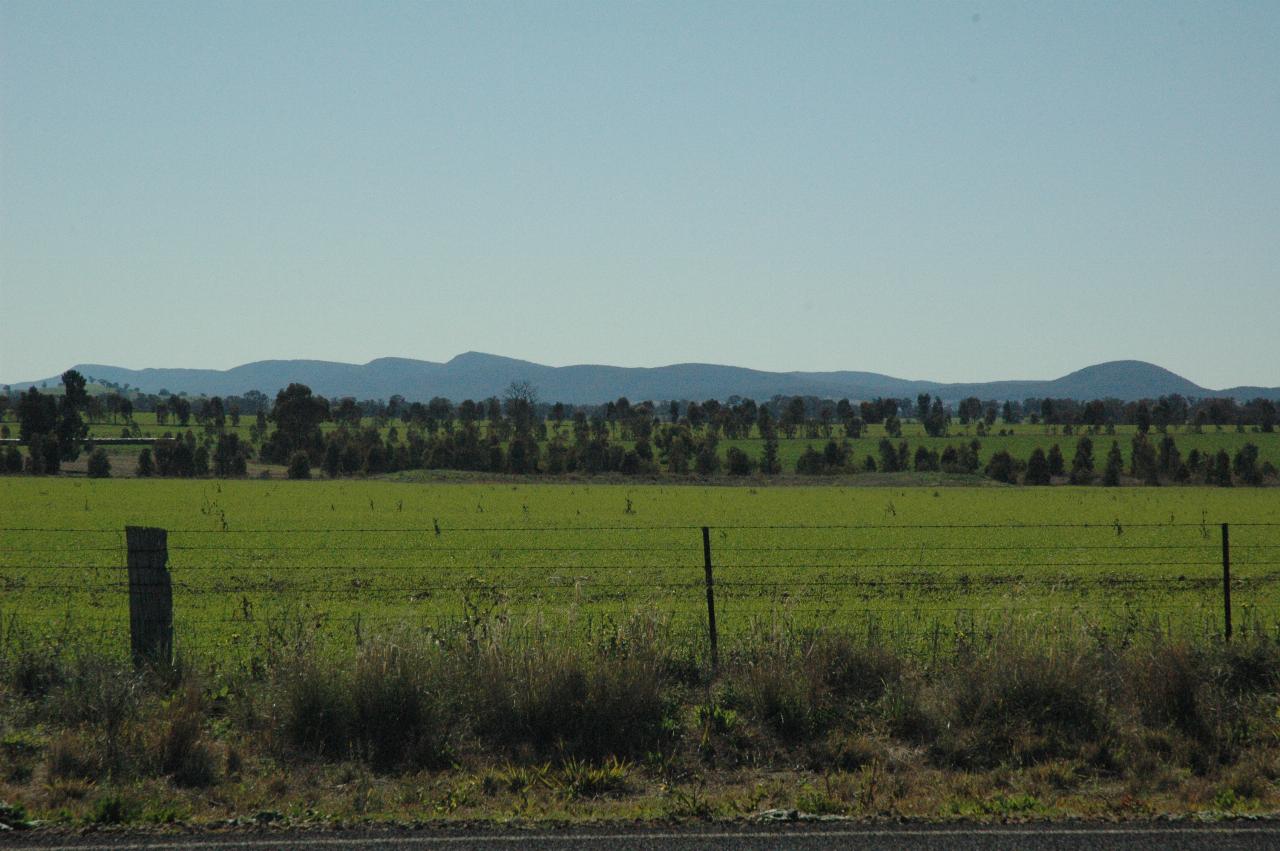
<point x="1015" y="704"/>
<point x="1082" y="462"/>
<point x="1206" y="695"/>
<point x="384" y="707"/>
<point x="707" y="461"/>
<point x="1245" y="465"/>
<point x="1057" y="464"/>
<point x="578" y="703"/>
<point x="105" y="693"/>
<point x="740" y="463"/>
<point x="315" y="710"/>
<point x="115" y="809"/>
<point x="299" y="466"/>
<point x="31" y="671"/>
<point x="1219" y="470"/>
<point x="805" y="686"/>
<point x="146" y="467"/>
<point x="72" y="757"/>
<point x="1115" y="466"/>
<point x="99" y="464"/>
<point x="926" y="460"/>
<point x="810" y="462"/>
<point x="179" y="749"/>
<point x="394" y="720"/>
<point x="1037" y="468"/>
<point x="1002" y="468"/>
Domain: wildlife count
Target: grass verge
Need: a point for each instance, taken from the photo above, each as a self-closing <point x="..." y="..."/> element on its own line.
<point x="484" y="723"/>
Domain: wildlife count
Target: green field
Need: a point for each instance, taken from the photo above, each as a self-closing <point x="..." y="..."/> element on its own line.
<point x="920" y="565"/>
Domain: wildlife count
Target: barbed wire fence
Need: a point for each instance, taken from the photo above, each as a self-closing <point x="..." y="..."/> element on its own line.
<point x="211" y="582"/>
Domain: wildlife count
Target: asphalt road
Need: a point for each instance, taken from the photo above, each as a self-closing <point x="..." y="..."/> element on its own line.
<point x="1253" y="836"/>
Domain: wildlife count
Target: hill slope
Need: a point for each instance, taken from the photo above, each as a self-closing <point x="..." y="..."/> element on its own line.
<point x="475" y="375"/>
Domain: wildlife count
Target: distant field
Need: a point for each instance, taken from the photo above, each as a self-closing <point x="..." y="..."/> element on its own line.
<point x="250" y="558"/>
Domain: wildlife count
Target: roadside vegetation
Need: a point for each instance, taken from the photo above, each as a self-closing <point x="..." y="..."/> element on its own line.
<point x="483" y="722"/>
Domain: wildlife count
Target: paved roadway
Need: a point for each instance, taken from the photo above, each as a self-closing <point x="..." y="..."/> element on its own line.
<point x="1157" y="836"/>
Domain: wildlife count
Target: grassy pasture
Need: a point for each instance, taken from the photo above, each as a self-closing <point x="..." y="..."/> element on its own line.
<point x="918" y="565"/>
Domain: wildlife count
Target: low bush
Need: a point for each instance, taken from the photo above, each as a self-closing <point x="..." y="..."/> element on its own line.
<point x="1015" y="704"/>
<point x="801" y="685"/>
<point x="180" y="749"/>
<point x="396" y="716"/>
<point x="585" y="704"/>
<point x="601" y="717"/>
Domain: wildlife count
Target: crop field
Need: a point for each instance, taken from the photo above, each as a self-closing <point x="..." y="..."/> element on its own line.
<point x="251" y="559"/>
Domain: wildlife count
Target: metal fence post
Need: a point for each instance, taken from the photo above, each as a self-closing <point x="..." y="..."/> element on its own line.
<point x="1226" y="581"/>
<point x="711" y="601"/>
<point x="150" y="596"/>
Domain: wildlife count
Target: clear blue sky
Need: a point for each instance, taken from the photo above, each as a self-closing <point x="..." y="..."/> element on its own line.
<point x="955" y="191"/>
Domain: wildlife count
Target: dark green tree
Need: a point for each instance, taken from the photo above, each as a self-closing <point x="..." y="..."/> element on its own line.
<point x="888" y="457"/>
<point x="1142" y="417"/>
<point x="50" y="455"/>
<point x="1220" y="470"/>
<point x="37" y="416"/>
<point x="1003" y="468"/>
<point x="739" y="462"/>
<point x="99" y="464"/>
<point x="926" y="461"/>
<point x="297" y="415"/>
<point x="810" y="462"/>
<point x="770" y="464"/>
<point x="73" y="386"/>
<point x="299" y="465"/>
<point x="200" y="461"/>
<point x="229" y="456"/>
<point x="1143" y="462"/>
<point x="1245" y="465"/>
<point x="1082" y="462"/>
<point x="181" y="409"/>
<point x="1170" y="457"/>
<point x="707" y="461"/>
<point x="1037" y="468"/>
<point x="332" y="459"/>
<point x="1115" y="466"/>
<point x="1057" y="464"/>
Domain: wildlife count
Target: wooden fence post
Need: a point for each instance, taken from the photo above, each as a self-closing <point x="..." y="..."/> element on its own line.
<point x="1226" y="581"/>
<point x="711" y="601"/>
<point x="150" y="596"/>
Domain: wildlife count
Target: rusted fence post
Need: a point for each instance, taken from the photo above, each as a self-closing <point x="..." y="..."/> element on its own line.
<point x="150" y="596"/>
<point x="711" y="601"/>
<point x="1226" y="581"/>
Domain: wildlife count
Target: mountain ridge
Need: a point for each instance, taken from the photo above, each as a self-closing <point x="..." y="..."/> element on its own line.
<point x="477" y="375"/>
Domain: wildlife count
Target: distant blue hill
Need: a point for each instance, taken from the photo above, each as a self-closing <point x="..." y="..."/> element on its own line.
<point x="475" y="375"/>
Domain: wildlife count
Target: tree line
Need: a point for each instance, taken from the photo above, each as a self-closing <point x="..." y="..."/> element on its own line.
<point x="522" y="435"/>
